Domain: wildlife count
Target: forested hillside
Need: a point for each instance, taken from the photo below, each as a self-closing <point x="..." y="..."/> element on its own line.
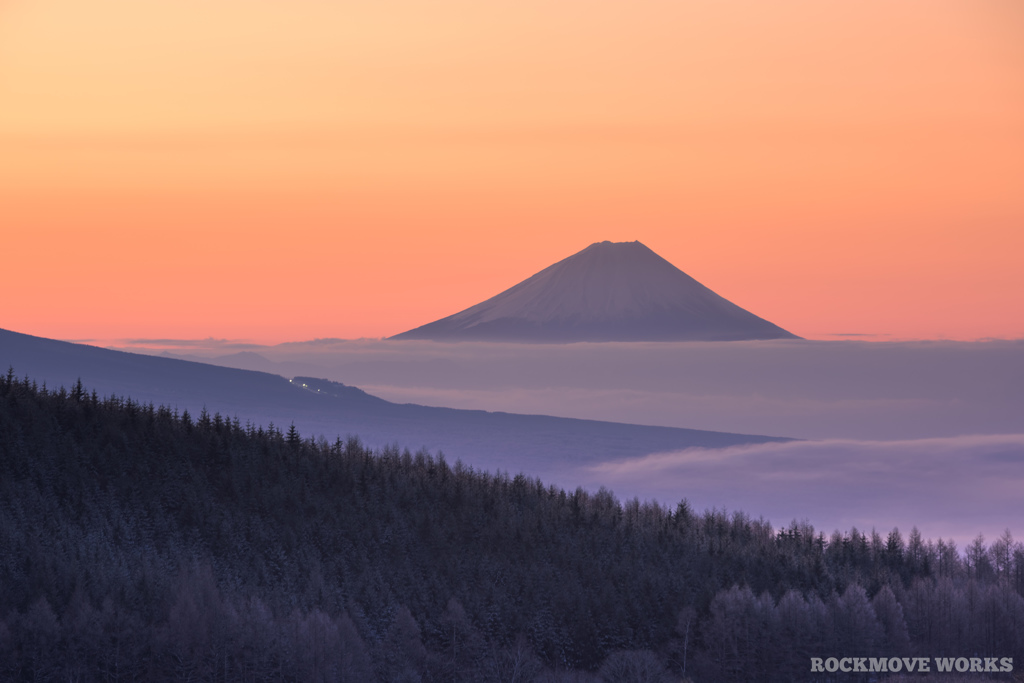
<point x="137" y="544"/>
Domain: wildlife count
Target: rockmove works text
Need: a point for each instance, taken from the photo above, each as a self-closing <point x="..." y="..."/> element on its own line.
<point x="913" y="664"/>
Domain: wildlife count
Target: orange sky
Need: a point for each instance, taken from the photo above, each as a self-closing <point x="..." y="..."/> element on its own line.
<point x="272" y="171"/>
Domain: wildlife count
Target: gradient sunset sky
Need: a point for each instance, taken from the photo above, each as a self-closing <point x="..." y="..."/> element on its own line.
<point x="274" y="171"/>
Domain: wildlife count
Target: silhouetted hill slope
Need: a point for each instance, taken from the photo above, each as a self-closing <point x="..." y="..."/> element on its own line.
<point x="607" y="292"/>
<point x="548" y="446"/>
<point x="140" y="545"/>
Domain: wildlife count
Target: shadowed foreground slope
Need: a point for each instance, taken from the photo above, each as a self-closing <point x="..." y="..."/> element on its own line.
<point x="140" y="545"/>
<point x="545" y="446"/>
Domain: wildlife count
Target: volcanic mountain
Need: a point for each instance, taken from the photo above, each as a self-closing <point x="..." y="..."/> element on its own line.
<point x="610" y="291"/>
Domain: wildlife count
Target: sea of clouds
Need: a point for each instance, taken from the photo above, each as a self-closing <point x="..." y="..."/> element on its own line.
<point x="893" y="433"/>
<point x="796" y="388"/>
<point x="953" y="487"/>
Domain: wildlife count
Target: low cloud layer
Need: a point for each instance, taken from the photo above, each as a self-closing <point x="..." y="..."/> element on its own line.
<point x="796" y="388"/>
<point x="950" y="487"/>
<point x="888" y="419"/>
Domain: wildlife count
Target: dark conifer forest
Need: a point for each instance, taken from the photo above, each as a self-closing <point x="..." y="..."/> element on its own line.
<point x="138" y="544"/>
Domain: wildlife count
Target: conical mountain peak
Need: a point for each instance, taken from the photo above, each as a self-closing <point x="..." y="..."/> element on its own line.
<point x="610" y="291"/>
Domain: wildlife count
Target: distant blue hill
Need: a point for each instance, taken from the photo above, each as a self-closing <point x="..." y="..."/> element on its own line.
<point x="536" y="444"/>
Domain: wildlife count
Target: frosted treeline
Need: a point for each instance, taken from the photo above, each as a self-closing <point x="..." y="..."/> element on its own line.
<point x="140" y="544"/>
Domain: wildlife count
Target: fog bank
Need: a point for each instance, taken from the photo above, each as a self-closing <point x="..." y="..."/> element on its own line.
<point x="797" y="388"/>
<point x="950" y="487"/>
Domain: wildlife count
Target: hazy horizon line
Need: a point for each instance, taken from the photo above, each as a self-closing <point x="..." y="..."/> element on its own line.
<point x="169" y="343"/>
